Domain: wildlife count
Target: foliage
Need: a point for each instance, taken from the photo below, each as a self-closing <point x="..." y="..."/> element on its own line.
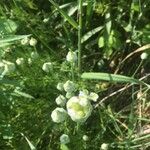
<point x="108" y="38"/>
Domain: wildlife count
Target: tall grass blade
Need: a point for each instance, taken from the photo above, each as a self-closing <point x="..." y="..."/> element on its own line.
<point x="89" y="11"/>
<point x="80" y="11"/>
<point x="65" y="15"/>
<point x="110" y="77"/>
<point x="7" y="40"/>
<point x="90" y="33"/>
<point x="23" y="94"/>
<point x="32" y="147"/>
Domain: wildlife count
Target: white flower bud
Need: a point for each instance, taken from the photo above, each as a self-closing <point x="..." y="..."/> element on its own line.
<point x="64" y="139"/>
<point x="61" y="100"/>
<point x="59" y="115"/>
<point x="93" y="96"/>
<point x="47" y="67"/>
<point x="71" y="56"/>
<point x="45" y="20"/>
<point x="69" y="95"/>
<point x="84" y="101"/>
<point x="85" y="94"/>
<point x="34" y="55"/>
<point x="104" y="146"/>
<point x="79" y="109"/>
<point x="33" y="41"/>
<point x="144" y="55"/>
<point x="60" y="86"/>
<point x="25" y="41"/>
<point x="20" y="61"/>
<point x="29" y="61"/>
<point x="85" y="138"/>
<point x="69" y="86"/>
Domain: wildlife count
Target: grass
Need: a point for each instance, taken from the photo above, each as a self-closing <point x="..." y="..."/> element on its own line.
<point x="109" y="41"/>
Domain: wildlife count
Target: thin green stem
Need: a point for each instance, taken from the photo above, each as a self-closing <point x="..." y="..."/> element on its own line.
<point x="78" y="127"/>
<point x="138" y="68"/>
<point x="72" y="71"/>
<point x="79" y="34"/>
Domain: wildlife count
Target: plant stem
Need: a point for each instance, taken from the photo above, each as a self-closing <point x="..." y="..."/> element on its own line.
<point x="79" y="34"/>
<point x="141" y="62"/>
<point x="72" y="71"/>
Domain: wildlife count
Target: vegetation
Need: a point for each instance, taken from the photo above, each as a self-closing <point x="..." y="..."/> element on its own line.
<point x="74" y="75"/>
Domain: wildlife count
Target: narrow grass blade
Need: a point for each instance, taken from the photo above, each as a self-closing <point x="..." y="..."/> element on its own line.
<point x="74" y="8"/>
<point x="110" y="77"/>
<point x="147" y="136"/>
<point x="90" y="33"/>
<point x="9" y="39"/>
<point x="141" y="145"/>
<point x="65" y="15"/>
<point x="89" y="12"/>
<point x="32" y="147"/>
<point x="12" y="38"/>
<point x="67" y="5"/>
<point x="23" y="94"/>
<point x="5" y="44"/>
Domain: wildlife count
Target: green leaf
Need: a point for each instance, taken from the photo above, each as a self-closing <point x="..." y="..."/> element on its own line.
<point x="114" y="39"/>
<point x="108" y="23"/>
<point x="65" y="15"/>
<point x="135" y="7"/>
<point x="64" y="147"/>
<point x="110" y="77"/>
<point x="111" y="40"/>
<point x="101" y="42"/>
<point x="7" y="26"/>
